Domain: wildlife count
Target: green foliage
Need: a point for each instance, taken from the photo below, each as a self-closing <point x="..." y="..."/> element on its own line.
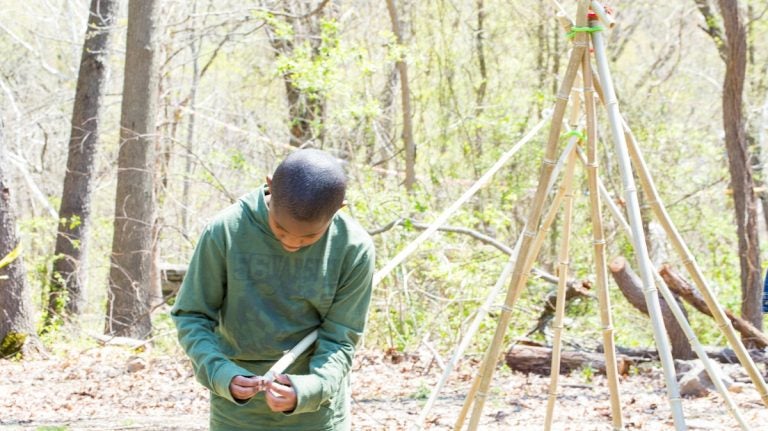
<point x="57" y="285"/>
<point x="282" y="28"/>
<point x="587" y="373"/>
<point x="164" y="333"/>
<point x="12" y="344"/>
<point x="423" y="392"/>
<point x="72" y="223"/>
<point x="11" y="256"/>
<point x="312" y="69"/>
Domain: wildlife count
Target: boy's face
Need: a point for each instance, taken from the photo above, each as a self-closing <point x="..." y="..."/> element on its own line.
<point x="294" y="234"/>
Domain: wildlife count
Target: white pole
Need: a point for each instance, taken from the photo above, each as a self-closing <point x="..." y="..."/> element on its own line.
<point x="448" y="212"/>
<point x="291" y="356"/>
<point x="638" y="235"/>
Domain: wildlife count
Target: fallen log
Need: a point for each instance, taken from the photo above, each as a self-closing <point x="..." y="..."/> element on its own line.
<point x="678" y="285"/>
<point x="538" y="360"/>
<point x="728" y="356"/>
<point x="534" y="359"/>
<point x="725" y="356"/>
<point x="171" y="277"/>
<point x="630" y="285"/>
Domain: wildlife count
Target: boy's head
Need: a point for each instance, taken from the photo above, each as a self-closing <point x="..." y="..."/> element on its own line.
<point x="306" y="189"/>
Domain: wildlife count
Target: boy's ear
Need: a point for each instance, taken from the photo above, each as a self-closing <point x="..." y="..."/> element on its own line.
<point x="343" y="204"/>
<point x="269" y="183"/>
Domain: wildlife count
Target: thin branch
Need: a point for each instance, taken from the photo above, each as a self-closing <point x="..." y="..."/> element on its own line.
<point x="758" y="16"/>
<point x="550" y="278"/>
<point x="453" y="229"/>
<point x="315" y="11"/>
<point x="697" y="191"/>
<point x="712" y="29"/>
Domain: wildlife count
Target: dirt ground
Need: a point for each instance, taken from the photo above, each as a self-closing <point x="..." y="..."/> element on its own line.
<point x="114" y="388"/>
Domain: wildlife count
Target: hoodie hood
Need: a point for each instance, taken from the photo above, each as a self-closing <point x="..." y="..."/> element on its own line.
<point x="254" y="205"/>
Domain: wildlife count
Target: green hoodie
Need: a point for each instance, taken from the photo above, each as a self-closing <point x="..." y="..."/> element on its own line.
<point x="245" y="301"/>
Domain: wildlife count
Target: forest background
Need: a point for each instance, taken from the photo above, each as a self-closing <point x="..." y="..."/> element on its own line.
<point x="418" y="99"/>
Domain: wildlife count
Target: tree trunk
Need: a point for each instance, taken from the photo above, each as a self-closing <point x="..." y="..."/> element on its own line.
<point x="385" y="132"/>
<point x="756" y="133"/>
<point x="405" y="97"/>
<point x="306" y="113"/>
<point x="69" y="269"/>
<point x="194" y="47"/>
<point x="131" y="266"/>
<point x="306" y="107"/>
<point x="482" y="87"/>
<point x="740" y="169"/>
<point x="630" y="285"/>
<point x="17" y="332"/>
<point x="691" y="295"/>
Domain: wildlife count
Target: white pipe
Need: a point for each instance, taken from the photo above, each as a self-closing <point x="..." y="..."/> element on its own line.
<point x="603" y="14"/>
<point x="638" y="236"/>
<point x="448" y="212"/>
<point x="287" y="359"/>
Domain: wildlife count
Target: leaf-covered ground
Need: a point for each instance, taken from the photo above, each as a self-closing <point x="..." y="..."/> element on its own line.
<point x="114" y="388"/>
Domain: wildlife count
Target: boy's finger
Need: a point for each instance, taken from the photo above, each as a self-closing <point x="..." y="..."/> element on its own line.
<point x="283" y="379"/>
<point x="242" y="392"/>
<point x="246" y="381"/>
<point x="279" y="389"/>
<point x="243" y="388"/>
<point x="279" y="403"/>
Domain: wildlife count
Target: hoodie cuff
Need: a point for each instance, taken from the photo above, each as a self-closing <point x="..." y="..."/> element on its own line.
<point x="309" y="393"/>
<point x="223" y="378"/>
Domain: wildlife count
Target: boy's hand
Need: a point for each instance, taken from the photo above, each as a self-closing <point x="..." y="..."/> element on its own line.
<point x="244" y="388"/>
<point x="281" y="397"/>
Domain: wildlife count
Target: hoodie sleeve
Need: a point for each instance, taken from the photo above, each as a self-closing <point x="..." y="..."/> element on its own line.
<point x="337" y="337"/>
<point x="196" y="315"/>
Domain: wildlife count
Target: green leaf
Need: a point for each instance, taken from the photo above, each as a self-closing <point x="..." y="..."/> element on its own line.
<point x="5" y="261"/>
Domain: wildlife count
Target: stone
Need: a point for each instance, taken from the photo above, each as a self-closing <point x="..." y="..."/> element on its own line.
<point x="697" y="383"/>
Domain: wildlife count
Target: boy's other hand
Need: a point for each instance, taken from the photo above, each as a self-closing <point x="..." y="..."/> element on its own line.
<point x="244" y="388"/>
<point x="281" y="397"/>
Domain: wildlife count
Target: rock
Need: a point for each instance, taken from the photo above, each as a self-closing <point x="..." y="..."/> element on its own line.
<point x="682" y="367"/>
<point x="136" y="363"/>
<point x="696" y="382"/>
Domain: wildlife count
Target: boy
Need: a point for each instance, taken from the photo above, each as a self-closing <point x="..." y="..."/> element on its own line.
<point x="267" y="271"/>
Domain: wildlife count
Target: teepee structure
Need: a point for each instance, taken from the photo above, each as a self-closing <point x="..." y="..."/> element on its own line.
<point x="587" y="36"/>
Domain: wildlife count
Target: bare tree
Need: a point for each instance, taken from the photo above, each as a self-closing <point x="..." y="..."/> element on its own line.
<point x="758" y="90"/>
<point x="744" y="198"/>
<point x="69" y="269"/>
<point x="733" y="51"/>
<point x="130" y="274"/>
<point x="405" y="97"/>
<point x="482" y="87"/>
<point x="17" y="331"/>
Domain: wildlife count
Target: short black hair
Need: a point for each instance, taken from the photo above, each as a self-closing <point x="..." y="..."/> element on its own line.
<point x="309" y="184"/>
